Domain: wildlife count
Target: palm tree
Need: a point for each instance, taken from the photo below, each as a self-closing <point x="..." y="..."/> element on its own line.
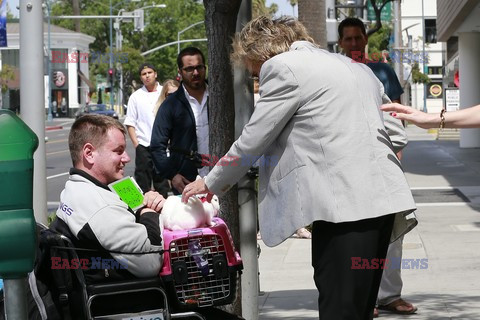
<point x="293" y="3"/>
<point x="312" y="14"/>
<point x="259" y="8"/>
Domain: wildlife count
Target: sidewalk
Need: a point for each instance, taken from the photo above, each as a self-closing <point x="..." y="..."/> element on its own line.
<point x="446" y="183"/>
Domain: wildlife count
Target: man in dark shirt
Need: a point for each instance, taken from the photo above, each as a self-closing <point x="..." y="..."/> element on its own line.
<point x="353" y="39"/>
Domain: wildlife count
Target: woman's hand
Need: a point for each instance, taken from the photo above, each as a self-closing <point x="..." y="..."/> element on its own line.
<point x="418" y="118"/>
<point x="196" y="187"/>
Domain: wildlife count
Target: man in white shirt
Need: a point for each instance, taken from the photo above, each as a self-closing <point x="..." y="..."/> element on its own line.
<point x="139" y="122"/>
<point x="181" y="123"/>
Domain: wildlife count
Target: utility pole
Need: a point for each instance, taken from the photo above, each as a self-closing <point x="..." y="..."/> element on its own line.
<point x="110" y="64"/>
<point x="247" y="197"/>
<point x="397" y="11"/>
<point x="32" y="112"/>
<point x="32" y="96"/>
<point x="424" y="58"/>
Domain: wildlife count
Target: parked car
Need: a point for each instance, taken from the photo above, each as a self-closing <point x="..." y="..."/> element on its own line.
<point x="96" y="109"/>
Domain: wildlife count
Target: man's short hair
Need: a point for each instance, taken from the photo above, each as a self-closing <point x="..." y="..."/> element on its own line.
<point x="145" y="66"/>
<point x="90" y="128"/>
<point x="264" y="38"/>
<point x="189" y="51"/>
<point x="351" y="22"/>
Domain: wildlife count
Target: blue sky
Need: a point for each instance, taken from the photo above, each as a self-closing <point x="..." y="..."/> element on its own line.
<point x="284" y="7"/>
<point x="13" y="6"/>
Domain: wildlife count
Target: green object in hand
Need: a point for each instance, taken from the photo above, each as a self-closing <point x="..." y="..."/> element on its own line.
<point x="129" y="191"/>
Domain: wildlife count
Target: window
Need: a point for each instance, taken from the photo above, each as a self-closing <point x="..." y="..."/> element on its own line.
<point x="430" y="31"/>
<point x="434" y="70"/>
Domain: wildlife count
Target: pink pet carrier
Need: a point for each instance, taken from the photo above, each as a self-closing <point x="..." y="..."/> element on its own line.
<point x="201" y="267"/>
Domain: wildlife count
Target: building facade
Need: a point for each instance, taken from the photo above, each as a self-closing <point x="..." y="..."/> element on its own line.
<point x="459" y="28"/>
<point x="69" y="85"/>
<point x="420" y="41"/>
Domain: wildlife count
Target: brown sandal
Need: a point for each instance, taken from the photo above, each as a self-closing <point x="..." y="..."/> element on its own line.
<point x="399" y="306"/>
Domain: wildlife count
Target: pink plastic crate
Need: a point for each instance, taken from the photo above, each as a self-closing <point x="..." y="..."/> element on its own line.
<point x="195" y="285"/>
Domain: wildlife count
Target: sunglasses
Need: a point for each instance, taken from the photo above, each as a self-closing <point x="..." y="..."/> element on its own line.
<point x="190" y="69"/>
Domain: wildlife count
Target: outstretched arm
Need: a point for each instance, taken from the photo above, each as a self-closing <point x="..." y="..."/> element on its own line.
<point x="465" y="118"/>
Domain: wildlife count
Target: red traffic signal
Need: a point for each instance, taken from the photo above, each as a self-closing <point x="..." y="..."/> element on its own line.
<point x="110" y="72"/>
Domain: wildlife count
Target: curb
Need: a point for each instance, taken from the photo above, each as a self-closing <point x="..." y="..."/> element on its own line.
<point x="53" y="128"/>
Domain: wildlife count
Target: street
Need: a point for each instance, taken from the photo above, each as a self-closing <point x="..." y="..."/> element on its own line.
<point x="59" y="162"/>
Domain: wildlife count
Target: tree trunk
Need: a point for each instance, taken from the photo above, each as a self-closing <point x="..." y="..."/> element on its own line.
<point x="220" y="22"/>
<point x="312" y="14"/>
<point x="378" y="12"/>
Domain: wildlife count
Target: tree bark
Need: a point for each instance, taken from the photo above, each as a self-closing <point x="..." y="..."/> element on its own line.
<point x="312" y="14"/>
<point x="76" y="12"/>
<point x="378" y="12"/>
<point x="220" y="22"/>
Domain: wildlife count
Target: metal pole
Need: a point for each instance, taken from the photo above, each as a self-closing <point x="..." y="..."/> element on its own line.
<point x="15" y="299"/>
<point x="182" y="31"/>
<point x="424" y="58"/>
<point x="32" y="96"/>
<point x="178" y="43"/>
<point x="170" y="44"/>
<point x="111" y="56"/>
<point x="120" y="68"/>
<point x="49" y="66"/>
<point x="397" y="34"/>
<point x="93" y="17"/>
<point x="32" y="111"/>
<point x="246" y="186"/>
<point x="398" y="40"/>
<point x="359" y="9"/>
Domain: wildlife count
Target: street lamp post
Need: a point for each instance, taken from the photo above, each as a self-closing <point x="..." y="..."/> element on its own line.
<point x="110" y="60"/>
<point x="425" y="70"/>
<point x="182" y="31"/>
<point x="49" y="65"/>
<point x="110" y="63"/>
<point x="118" y="46"/>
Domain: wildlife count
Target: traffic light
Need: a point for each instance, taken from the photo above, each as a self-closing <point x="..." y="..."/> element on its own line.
<point x="110" y="75"/>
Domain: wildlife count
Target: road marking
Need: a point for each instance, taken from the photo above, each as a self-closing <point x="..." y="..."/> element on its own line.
<point x="442" y="204"/>
<point x="434" y="188"/>
<point x="466" y="227"/>
<point x="57" y="152"/>
<point x="57" y="175"/>
<point x="57" y="141"/>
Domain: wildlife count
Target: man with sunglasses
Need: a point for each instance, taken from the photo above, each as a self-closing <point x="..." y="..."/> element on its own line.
<point x="181" y="124"/>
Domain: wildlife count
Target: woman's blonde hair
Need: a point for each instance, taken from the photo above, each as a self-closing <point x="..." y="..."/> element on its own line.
<point x="263" y="38"/>
<point x="164" y="93"/>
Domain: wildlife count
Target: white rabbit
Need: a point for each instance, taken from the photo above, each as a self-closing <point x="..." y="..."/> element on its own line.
<point x="213" y="207"/>
<point x="177" y="215"/>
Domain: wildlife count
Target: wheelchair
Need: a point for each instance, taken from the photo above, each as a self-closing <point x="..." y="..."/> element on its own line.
<point x="127" y="299"/>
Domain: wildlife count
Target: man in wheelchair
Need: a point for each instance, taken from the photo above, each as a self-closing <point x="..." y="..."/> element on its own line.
<point x="92" y="216"/>
<point x="116" y="257"/>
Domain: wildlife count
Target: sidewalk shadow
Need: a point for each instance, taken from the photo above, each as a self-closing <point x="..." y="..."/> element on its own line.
<point x="459" y="167"/>
<point x="302" y="304"/>
<point x="440" y="307"/>
<point x="289" y="304"/>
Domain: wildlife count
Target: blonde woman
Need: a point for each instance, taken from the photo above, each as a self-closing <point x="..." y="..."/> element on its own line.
<point x="169" y="86"/>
